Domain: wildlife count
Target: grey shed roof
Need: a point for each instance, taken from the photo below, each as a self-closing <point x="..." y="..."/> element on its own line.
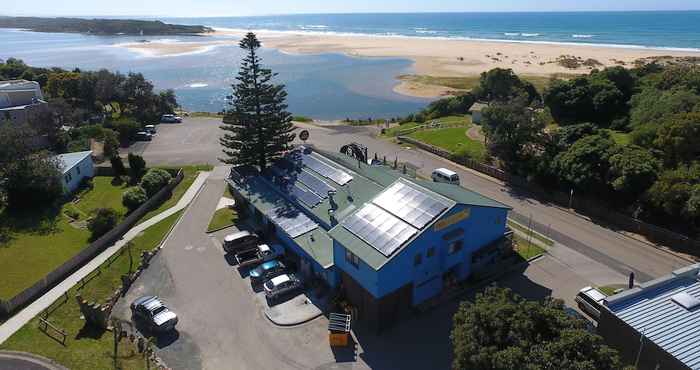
<point x="659" y="310"/>
<point x="70" y="160"/>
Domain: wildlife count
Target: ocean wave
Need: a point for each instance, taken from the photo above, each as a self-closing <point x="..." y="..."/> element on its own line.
<point x="582" y="36"/>
<point x="313" y="27"/>
<point x="197" y="85"/>
<point x="425" y="31"/>
<point x="512" y="34"/>
<point x="529" y="34"/>
<point x="454" y="37"/>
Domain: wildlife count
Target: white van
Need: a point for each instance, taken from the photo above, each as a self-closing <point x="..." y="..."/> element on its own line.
<point x="446" y="176"/>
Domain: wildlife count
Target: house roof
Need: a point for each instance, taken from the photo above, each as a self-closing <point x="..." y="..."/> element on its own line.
<point x="477" y="107"/>
<point x="70" y="160"/>
<point x="660" y="311"/>
<point x="367" y="183"/>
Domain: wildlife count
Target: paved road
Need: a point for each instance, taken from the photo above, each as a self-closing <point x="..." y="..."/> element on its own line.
<point x="196" y="141"/>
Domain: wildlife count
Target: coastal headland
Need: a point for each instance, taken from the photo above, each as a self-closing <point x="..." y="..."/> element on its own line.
<point x="441" y="66"/>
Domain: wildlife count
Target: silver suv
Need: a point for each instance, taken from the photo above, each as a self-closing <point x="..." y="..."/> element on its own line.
<point x="152" y="312"/>
<point x="280" y="285"/>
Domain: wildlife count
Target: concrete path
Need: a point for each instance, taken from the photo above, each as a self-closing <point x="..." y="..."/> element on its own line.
<point x="21" y="318"/>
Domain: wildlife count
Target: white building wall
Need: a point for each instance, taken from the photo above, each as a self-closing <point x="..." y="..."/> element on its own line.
<point x="73" y="178"/>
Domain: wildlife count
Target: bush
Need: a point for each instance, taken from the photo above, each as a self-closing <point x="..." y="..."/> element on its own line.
<point x="134" y="197"/>
<point x="137" y="165"/>
<point x="105" y="220"/>
<point x="154" y="180"/>
<point x="117" y="166"/>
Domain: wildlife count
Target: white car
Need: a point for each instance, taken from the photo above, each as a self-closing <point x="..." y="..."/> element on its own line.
<point x="590" y="300"/>
<point x="282" y="284"/>
<point x="445" y="176"/>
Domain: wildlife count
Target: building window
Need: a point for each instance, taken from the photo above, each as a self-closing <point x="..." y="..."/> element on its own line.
<point x="68" y="177"/>
<point x="418" y="260"/>
<point x="455" y="247"/>
<point x="431" y="252"/>
<point x="352" y="259"/>
<point x="454" y="234"/>
<point x="78" y="169"/>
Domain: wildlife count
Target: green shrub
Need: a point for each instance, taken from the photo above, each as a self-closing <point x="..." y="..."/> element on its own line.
<point x="134" y="197"/>
<point x="137" y="165"/>
<point x="105" y="220"/>
<point x="117" y="166"/>
<point x="154" y="180"/>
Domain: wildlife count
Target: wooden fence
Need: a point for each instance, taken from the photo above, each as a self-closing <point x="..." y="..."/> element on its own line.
<point x="87" y="253"/>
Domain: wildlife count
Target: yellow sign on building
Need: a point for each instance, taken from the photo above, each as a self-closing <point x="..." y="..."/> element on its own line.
<point x="452" y="219"/>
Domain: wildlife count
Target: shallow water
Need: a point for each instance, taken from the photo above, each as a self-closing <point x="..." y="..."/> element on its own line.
<point x="327" y="86"/>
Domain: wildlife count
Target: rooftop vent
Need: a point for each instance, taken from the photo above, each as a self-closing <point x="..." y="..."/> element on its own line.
<point x="686" y="300"/>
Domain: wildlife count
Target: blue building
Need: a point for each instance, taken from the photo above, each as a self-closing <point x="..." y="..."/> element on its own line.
<point x="655" y="325"/>
<point x="388" y="241"/>
<point x="75" y="167"/>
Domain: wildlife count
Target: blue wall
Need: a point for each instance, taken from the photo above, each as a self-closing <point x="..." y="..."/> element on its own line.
<point x="483" y="226"/>
<point x="76" y="174"/>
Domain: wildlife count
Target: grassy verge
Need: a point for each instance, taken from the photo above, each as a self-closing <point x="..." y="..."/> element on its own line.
<point x="206" y="114"/>
<point x="526" y="250"/>
<point x="37" y="241"/>
<point x="454" y="140"/>
<point x="535" y="235"/>
<point x="86" y="347"/>
<point x="302" y="119"/>
<point x="222" y="218"/>
<point x="191" y="173"/>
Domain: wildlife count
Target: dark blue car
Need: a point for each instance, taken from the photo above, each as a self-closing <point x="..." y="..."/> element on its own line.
<point x="266" y="271"/>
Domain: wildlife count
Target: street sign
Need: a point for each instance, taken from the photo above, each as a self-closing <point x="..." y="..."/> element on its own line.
<point x="304" y="135"/>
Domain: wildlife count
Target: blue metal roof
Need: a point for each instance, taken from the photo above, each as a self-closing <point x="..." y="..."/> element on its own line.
<point x="70" y="160"/>
<point x="652" y="311"/>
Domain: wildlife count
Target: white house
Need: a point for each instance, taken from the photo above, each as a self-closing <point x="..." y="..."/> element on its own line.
<point x="19" y="99"/>
<point x="475" y="111"/>
<point x="75" y="167"/>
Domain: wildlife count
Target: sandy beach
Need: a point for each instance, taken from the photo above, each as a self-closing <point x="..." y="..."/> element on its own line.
<point x="431" y="57"/>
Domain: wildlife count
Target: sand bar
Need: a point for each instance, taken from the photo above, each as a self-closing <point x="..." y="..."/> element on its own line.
<point x="433" y="57"/>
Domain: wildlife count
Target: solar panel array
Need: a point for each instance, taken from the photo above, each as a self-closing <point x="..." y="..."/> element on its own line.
<point x="325" y="170"/>
<point x="379" y="228"/>
<point x="315" y="184"/>
<point x="410" y="204"/>
<point x="293" y="222"/>
<point x="308" y="197"/>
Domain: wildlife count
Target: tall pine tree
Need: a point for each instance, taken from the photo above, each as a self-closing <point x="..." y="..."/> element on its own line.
<point x="258" y="126"/>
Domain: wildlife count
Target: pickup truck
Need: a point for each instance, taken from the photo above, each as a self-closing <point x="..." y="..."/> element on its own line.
<point x="259" y="254"/>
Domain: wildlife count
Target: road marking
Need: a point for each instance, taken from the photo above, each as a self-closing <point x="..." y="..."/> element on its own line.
<point x="189" y="247"/>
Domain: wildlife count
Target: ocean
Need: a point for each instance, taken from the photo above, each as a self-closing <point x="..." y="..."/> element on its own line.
<point x="334" y="86"/>
<point x="654" y="29"/>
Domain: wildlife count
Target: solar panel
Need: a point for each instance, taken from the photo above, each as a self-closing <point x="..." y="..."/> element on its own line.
<point x="379" y="228"/>
<point x="309" y="198"/>
<point x="293" y="222"/>
<point x="315" y="184"/>
<point x="410" y="204"/>
<point x="325" y="170"/>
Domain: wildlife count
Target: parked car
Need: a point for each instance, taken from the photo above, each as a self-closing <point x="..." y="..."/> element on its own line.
<point x="240" y="241"/>
<point x="170" y="118"/>
<point x="445" y="176"/>
<point x="280" y="285"/>
<point x="151" y="311"/>
<point x="261" y="253"/>
<point x="143" y="136"/>
<point x="266" y="271"/>
<point x="151" y="129"/>
<point x="590" y="300"/>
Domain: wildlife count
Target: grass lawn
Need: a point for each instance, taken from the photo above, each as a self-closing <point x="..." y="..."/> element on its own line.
<point x="454" y="140"/>
<point x="227" y="193"/>
<point x="41" y="240"/>
<point x="449" y="121"/>
<point x="191" y="173"/>
<point x="222" y="218"/>
<point x="526" y="250"/>
<point x="535" y="235"/>
<point x="86" y="347"/>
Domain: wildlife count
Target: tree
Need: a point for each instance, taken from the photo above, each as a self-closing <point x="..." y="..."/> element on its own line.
<point x="585" y="99"/>
<point x="110" y="143"/>
<point x="649" y="106"/>
<point x="154" y="180"/>
<point x="136" y="165"/>
<point x="117" y="166"/>
<point x="586" y="164"/>
<point x="28" y="178"/>
<point x="105" y="219"/>
<point x="501" y="330"/>
<point x="448" y="106"/>
<point x="258" y="128"/>
<point x="511" y="131"/>
<point x="134" y="197"/>
<point x="565" y="136"/>
<point x="678" y="137"/>
<point x="672" y="191"/>
<point x="633" y="170"/>
<point x="503" y="84"/>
